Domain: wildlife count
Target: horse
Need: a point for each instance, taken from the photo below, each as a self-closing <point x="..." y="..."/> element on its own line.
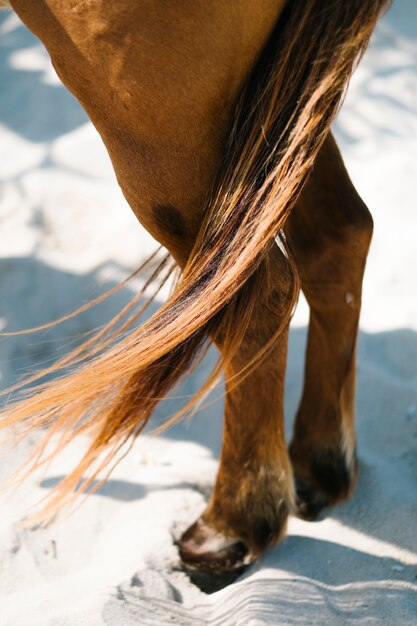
<point x="216" y="116"/>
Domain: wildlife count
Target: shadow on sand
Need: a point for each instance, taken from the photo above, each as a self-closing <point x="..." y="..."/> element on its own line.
<point x="32" y="293"/>
<point x="34" y="107"/>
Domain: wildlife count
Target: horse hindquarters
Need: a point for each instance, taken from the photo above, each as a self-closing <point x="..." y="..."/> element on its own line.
<point x="165" y="116"/>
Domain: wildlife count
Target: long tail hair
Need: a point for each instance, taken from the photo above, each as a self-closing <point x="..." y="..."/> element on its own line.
<point x="281" y="121"/>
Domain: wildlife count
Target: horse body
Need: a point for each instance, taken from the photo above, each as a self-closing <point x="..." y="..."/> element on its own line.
<point x="163" y="84"/>
<point x="161" y="95"/>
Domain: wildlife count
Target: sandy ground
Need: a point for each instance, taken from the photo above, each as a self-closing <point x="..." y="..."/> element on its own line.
<point x="67" y="234"/>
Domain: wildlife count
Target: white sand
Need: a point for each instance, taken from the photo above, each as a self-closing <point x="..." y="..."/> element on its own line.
<point x="66" y="234"/>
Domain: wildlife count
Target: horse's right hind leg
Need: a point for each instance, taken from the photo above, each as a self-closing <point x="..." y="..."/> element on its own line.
<point x="253" y="494"/>
<point x="330" y="230"/>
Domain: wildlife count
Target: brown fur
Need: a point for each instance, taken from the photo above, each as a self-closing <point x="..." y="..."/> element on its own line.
<point x="330" y="231"/>
<point x="213" y="114"/>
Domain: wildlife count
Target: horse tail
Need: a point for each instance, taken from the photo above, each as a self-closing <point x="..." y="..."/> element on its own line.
<point x="282" y="118"/>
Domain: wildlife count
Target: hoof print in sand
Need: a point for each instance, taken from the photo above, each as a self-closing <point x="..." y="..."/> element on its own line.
<point x="147" y="598"/>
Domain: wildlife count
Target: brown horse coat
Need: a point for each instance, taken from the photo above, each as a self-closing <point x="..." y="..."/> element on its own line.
<point x="216" y="117"/>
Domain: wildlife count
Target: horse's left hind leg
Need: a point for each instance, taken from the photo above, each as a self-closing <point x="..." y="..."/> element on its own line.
<point x="330" y="230"/>
<point x="253" y="493"/>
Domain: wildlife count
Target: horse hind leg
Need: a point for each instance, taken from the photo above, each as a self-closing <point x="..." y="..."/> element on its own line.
<point x="253" y="493"/>
<point x="330" y="231"/>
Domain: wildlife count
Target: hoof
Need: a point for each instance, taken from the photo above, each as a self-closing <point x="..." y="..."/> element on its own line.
<point x="201" y="547"/>
<point x="309" y="501"/>
<point x="321" y="480"/>
<point x="211" y="559"/>
<point x="212" y="581"/>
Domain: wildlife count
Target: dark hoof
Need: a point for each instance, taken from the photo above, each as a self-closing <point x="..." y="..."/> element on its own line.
<point x="309" y="501"/>
<point x="212" y="581"/>
<point x="322" y="478"/>
<point x="210" y="559"/>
